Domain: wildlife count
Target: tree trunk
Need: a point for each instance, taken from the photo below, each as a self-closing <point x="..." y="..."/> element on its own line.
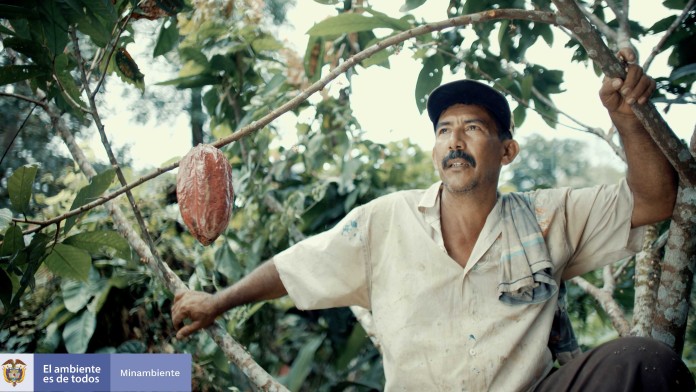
<point x="669" y="324"/>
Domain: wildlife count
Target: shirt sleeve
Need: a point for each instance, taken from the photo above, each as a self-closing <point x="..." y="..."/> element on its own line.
<point x="599" y="227"/>
<point x="329" y="269"/>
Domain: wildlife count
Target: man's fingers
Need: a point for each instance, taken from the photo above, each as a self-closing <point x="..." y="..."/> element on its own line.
<point x="187" y="330"/>
<point x="627" y="55"/>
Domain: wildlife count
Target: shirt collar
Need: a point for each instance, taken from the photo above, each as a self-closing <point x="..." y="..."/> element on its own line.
<point x="430" y="197"/>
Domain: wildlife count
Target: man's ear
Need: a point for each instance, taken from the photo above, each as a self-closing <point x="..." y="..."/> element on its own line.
<point x="510" y="150"/>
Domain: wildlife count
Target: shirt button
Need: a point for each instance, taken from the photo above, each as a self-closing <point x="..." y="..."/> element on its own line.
<point x="472" y="352"/>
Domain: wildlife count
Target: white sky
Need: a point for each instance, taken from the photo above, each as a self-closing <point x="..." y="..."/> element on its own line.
<point x="383" y="99"/>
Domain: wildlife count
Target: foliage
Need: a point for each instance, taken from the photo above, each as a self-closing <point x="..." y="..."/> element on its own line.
<point x="76" y="286"/>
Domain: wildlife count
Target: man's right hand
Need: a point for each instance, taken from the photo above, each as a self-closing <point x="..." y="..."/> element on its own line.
<point x="198" y="307"/>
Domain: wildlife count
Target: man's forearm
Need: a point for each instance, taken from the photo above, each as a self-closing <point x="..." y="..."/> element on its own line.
<point x="650" y="176"/>
<point x="261" y="284"/>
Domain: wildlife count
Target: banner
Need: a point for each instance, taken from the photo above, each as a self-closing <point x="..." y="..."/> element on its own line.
<point x="96" y="372"/>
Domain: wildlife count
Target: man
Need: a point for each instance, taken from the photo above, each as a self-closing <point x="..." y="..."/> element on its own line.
<point x="462" y="282"/>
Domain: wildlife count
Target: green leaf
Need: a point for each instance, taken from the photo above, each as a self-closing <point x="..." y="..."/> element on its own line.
<point x="393" y="23"/>
<point x="266" y="43"/>
<point x="545" y="32"/>
<point x="5" y="218"/>
<point x="518" y="115"/>
<point x="78" y="332"/>
<point x="302" y="364"/>
<point x="67" y="83"/>
<point x="193" y="54"/>
<point x="683" y="71"/>
<point x="354" y="345"/>
<point x="347" y="23"/>
<point x="192" y="81"/>
<point x="104" y="9"/>
<point x="168" y="37"/>
<point x="20" y="187"/>
<point x="411" y="5"/>
<point x="91" y="26"/>
<point x="55" y="27"/>
<point x="13" y="241"/>
<point x="76" y="294"/>
<point x="227" y="264"/>
<point x="97" y="185"/>
<point x="69" y="262"/>
<point x="101" y="243"/>
<point x="527" y="84"/>
<point x="429" y="77"/>
<point x="16" y="73"/>
<point x="8" y="11"/>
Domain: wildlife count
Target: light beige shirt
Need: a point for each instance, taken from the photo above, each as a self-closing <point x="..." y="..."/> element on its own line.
<point x="441" y="326"/>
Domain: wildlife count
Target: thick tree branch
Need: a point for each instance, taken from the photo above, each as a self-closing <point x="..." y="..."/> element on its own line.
<point x="678" y="266"/>
<point x="674" y="149"/>
<point x="646" y="282"/>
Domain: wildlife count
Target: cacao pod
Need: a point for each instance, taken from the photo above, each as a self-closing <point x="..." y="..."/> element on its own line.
<point x="204" y="192"/>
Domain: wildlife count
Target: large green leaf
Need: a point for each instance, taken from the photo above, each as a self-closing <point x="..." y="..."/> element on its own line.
<point x="347" y="23"/>
<point x="16" y="73"/>
<point x="55" y="27"/>
<point x="302" y="364"/>
<point x="78" y="331"/>
<point x="20" y="186"/>
<point x="76" y="294"/>
<point x="69" y="262"/>
<point x="104" y="9"/>
<point x="101" y="243"/>
<point x="226" y="263"/>
<point x="13" y="241"/>
<point x="429" y="77"/>
<point x="98" y="185"/>
<point x="168" y="37"/>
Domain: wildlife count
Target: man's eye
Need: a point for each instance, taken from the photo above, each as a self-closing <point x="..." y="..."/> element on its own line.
<point x="473" y="128"/>
<point x="442" y="130"/>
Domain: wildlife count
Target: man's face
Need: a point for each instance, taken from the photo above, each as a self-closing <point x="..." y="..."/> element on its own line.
<point x="468" y="153"/>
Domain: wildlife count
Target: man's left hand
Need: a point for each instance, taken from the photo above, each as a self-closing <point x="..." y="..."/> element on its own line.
<point x="618" y="95"/>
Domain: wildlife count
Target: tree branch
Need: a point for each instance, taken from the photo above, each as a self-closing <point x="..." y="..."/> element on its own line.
<point x="36" y="102"/>
<point x="671" y="146"/>
<point x="607" y="302"/>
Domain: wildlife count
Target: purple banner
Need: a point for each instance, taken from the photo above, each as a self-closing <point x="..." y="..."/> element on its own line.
<point x="71" y="372"/>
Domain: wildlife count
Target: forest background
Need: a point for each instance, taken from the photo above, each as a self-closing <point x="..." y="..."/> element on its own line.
<point x="74" y="71"/>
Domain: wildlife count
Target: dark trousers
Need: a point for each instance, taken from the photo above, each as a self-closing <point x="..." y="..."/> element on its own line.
<point x="625" y="364"/>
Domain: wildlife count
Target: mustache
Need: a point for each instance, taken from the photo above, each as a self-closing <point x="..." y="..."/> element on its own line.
<point x="458" y="154"/>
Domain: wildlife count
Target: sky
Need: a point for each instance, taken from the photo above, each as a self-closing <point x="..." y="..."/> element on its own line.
<point x="383" y="99"/>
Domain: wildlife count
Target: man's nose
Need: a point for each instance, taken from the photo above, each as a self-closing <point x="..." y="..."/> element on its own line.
<point x="456" y="141"/>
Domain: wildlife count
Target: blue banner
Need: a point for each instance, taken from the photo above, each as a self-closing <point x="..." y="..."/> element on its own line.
<point x="96" y="372"/>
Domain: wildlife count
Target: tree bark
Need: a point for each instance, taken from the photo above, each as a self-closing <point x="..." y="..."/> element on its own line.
<point x="669" y="324"/>
<point x="646" y="282"/>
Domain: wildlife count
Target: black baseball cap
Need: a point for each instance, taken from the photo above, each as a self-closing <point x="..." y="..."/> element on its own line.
<point x="471" y="92"/>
